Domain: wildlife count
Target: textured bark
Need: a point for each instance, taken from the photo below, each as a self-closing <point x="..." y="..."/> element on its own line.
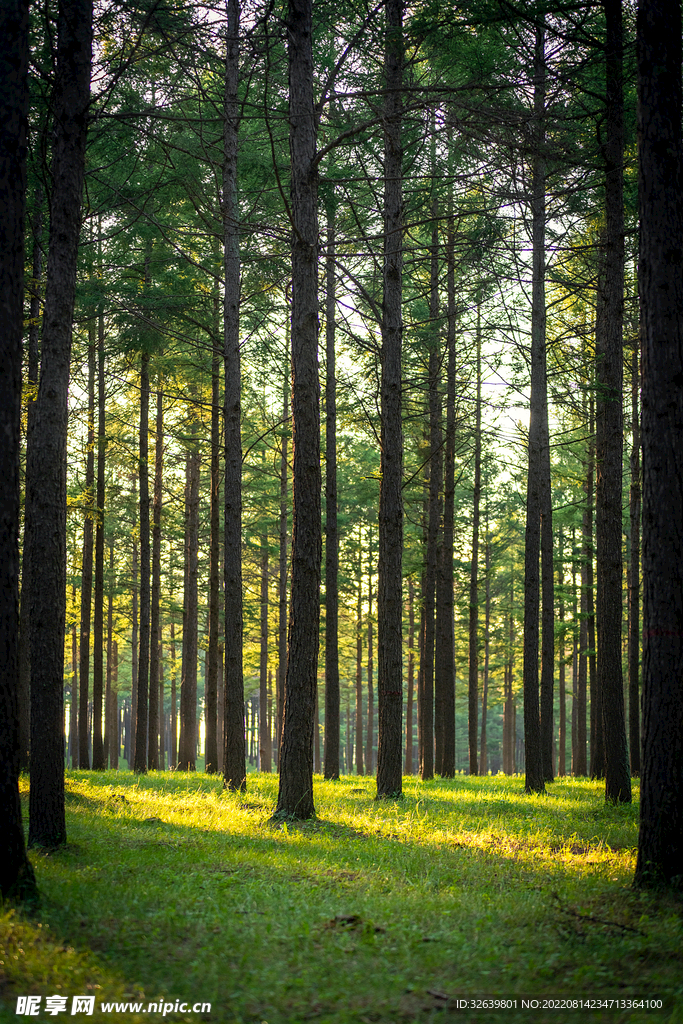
<point x="99" y="761"/>
<point x="295" y="796"/>
<point x="660" y="842"/>
<point x="156" y="707"/>
<point x="282" y="570"/>
<point x="265" y="752"/>
<point x="410" y="763"/>
<point x="211" y="692"/>
<point x="390" y="593"/>
<point x="359" y="662"/>
<point x="445" y="640"/>
<point x="370" y="732"/>
<point x="46" y="472"/>
<point x="173" y="738"/>
<point x="538" y="441"/>
<point x="234" y="755"/>
<point x="114" y="742"/>
<point x="433" y="726"/>
<point x="331" y="527"/>
<point x="86" y="570"/>
<point x="16" y="874"/>
<point x="483" y="753"/>
<point x="634" y="577"/>
<point x="473" y="679"/>
<point x="562" y="738"/>
<point x="609" y="428"/>
<point x="24" y="696"/>
<point x="108" y="719"/>
<point x="187" y="744"/>
<point x="143" y="687"/>
<point x="73" y="704"/>
<point x="135" y="629"/>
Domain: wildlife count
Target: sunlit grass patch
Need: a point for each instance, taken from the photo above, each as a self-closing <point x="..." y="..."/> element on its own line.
<point x="465" y="886"/>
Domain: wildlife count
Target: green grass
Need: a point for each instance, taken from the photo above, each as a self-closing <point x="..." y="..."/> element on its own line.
<point x="171" y="888"/>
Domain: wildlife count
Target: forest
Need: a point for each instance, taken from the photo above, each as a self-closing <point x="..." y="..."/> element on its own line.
<point x="342" y="396"/>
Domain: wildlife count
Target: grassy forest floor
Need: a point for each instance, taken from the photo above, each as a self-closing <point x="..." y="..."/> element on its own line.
<point x="170" y="888"/>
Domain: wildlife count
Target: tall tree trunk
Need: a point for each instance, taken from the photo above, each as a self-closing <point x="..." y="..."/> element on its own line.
<point x="538" y="439"/>
<point x="234" y="756"/>
<point x="390" y="592"/>
<point x="580" y="761"/>
<point x="660" y="841"/>
<point x="161" y="715"/>
<point x="597" y="742"/>
<point x="282" y="566"/>
<point x="609" y="436"/>
<point x="410" y="764"/>
<point x="433" y="726"/>
<point x="155" y="728"/>
<point x="24" y="692"/>
<point x="483" y="755"/>
<point x="473" y="683"/>
<point x="331" y="527"/>
<point x="634" y="582"/>
<point x="16" y="875"/>
<point x="108" y="719"/>
<point x="99" y="761"/>
<point x="73" y="707"/>
<point x="562" y="740"/>
<point x="445" y="640"/>
<point x="86" y="568"/>
<point x="142" y="707"/>
<point x="46" y="470"/>
<point x="370" y="735"/>
<point x="295" y="797"/>
<point x="114" y="741"/>
<point x="359" y="661"/>
<point x="134" y="636"/>
<point x="211" y="694"/>
<point x="187" y="745"/>
<point x="264" y="728"/>
<point x="173" y="740"/>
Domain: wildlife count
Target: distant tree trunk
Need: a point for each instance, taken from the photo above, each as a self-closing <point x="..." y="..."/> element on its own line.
<point x="509" y="713"/>
<point x="634" y="581"/>
<point x="660" y="841"/>
<point x="161" y="715"/>
<point x="445" y="641"/>
<point x="16" y="874"/>
<point x="114" y="741"/>
<point x="562" y="742"/>
<point x="187" y="746"/>
<point x="410" y="764"/>
<point x="264" y="728"/>
<point x="73" y="707"/>
<point x="433" y="726"/>
<point x="99" y="761"/>
<point x="282" y="572"/>
<point x="390" y="592"/>
<point x="473" y="685"/>
<point x="295" y="797"/>
<point x="134" y="637"/>
<point x="538" y="440"/>
<point x="173" y="740"/>
<point x="108" y="723"/>
<point x="220" y="715"/>
<point x="24" y="693"/>
<point x="234" y="756"/>
<point x="609" y="423"/>
<point x="359" y="661"/>
<point x="370" y="734"/>
<point x="156" y="729"/>
<point x="331" y="527"/>
<point x="483" y="756"/>
<point x="580" y="761"/>
<point x="142" y="707"/>
<point x="211" y="694"/>
<point x="86" y="568"/>
<point x="46" y="471"/>
<point x="316" y="738"/>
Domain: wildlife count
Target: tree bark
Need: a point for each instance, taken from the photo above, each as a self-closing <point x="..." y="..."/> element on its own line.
<point x="156" y="708"/>
<point x="483" y="755"/>
<point x="390" y="593"/>
<point x="660" y="841"/>
<point x="562" y="739"/>
<point x="473" y="683"/>
<point x="282" y="567"/>
<point x="264" y="728"/>
<point x="609" y="428"/>
<point x="211" y="694"/>
<point x="538" y="439"/>
<point x="16" y="875"/>
<point x="86" y="569"/>
<point x="445" y="640"/>
<point x="234" y="754"/>
<point x="634" y="581"/>
<point x="410" y="764"/>
<point x="187" y="745"/>
<point x="331" y="526"/>
<point x="143" y="687"/>
<point x="359" y="661"/>
<point x="370" y="732"/>
<point x="99" y="761"/>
